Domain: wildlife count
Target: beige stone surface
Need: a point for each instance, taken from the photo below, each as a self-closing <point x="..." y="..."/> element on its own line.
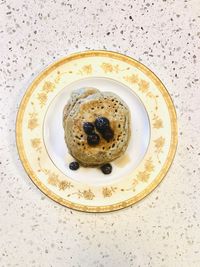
<point x="162" y="230"/>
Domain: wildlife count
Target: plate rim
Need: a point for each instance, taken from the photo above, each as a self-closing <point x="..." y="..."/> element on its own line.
<point x="121" y="204"/>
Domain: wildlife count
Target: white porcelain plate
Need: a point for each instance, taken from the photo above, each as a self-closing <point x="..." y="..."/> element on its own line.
<point x="40" y="135"/>
<point x="54" y="133"/>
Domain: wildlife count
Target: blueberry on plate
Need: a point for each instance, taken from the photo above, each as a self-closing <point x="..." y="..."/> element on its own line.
<point x="74" y="166"/>
<point x="108" y="134"/>
<point x="88" y="127"/>
<point x="93" y="139"/>
<point x="101" y="124"/>
<point x="106" y="168"/>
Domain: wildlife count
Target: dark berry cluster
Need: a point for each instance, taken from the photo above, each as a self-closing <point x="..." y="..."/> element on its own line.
<point x="93" y="139"/>
<point x="88" y="127"/>
<point x="102" y="125"/>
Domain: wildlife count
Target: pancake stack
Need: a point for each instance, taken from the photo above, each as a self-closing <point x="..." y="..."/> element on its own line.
<point x="86" y="105"/>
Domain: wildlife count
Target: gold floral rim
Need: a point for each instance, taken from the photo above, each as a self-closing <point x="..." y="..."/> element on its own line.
<point x="112" y="65"/>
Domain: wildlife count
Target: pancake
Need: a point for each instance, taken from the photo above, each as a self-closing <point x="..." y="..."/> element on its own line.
<point x="75" y="96"/>
<point x="86" y="105"/>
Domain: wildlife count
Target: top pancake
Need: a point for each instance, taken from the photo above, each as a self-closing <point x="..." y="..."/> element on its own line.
<point x="85" y="105"/>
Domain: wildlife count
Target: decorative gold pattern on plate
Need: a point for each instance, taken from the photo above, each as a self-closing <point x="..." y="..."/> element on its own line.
<point x="108" y="191"/>
<point x="107" y="67"/>
<point x="53" y="178"/>
<point x="33" y="119"/>
<point x="135" y="182"/>
<point x="64" y="185"/>
<point x="143" y="87"/>
<point x="143" y="176"/>
<point x="132" y="78"/>
<point x="104" y="198"/>
<point x="36" y="144"/>
<point x="157" y="122"/>
<point x="87" y="69"/>
<point x="86" y="194"/>
<point x="159" y="143"/>
<point x="48" y="87"/>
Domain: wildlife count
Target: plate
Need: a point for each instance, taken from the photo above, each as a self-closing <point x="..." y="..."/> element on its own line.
<point x="40" y="135"/>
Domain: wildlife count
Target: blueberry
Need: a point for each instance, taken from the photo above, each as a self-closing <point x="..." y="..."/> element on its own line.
<point x="106" y="168"/>
<point x="101" y="124"/>
<point x="93" y="139"/>
<point x="108" y="134"/>
<point x="88" y="127"/>
<point x="74" y="165"/>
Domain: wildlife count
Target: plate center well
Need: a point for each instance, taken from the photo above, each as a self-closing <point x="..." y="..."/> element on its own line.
<point x="53" y="133"/>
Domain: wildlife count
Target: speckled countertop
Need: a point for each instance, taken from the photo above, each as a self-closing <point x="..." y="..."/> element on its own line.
<point x="164" y="228"/>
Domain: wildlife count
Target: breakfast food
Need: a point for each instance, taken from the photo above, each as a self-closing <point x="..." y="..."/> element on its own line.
<point x="106" y="168"/>
<point x="74" y="165"/>
<point x="96" y="126"/>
